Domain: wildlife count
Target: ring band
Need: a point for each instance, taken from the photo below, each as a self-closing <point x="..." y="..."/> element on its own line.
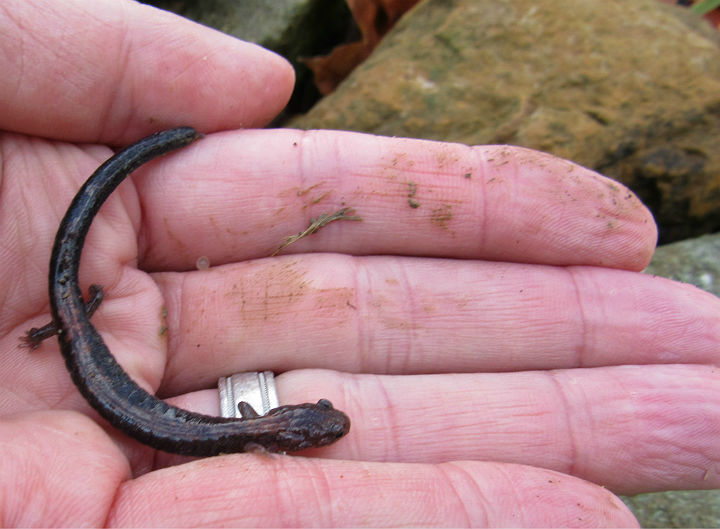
<point x="255" y="388"/>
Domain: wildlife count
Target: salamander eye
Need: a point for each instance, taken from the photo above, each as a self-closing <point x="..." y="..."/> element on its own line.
<point x="324" y="403"/>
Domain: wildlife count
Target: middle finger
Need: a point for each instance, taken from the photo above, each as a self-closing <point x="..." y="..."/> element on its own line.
<point x="398" y="315"/>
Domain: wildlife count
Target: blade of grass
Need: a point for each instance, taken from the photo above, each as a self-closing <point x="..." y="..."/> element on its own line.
<point x="317" y="223"/>
<point x="705" y="6"/>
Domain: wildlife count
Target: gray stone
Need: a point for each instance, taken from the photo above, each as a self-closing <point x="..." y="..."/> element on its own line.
<point x="682" y="508"/>
<point x="694" y="261"/>
<point x="286" y="26"/>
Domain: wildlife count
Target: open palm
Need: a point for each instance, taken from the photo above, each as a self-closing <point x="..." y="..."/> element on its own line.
<point x="483" y="325"/>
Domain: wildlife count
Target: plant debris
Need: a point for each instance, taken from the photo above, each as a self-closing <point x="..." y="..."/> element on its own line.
<point x="412" y="189"/>
<point x="374" y="19"/>
<point x="317" y="223"/>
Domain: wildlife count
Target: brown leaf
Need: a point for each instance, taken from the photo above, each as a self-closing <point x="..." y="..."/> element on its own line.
<point x="329" y="71"/>
<point x="374" y="18"/>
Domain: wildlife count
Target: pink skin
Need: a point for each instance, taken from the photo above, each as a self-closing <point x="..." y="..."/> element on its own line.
<point x="501" y="359"/>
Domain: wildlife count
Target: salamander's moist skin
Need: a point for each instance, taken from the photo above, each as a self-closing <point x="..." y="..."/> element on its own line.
<point x="105" y="384"/>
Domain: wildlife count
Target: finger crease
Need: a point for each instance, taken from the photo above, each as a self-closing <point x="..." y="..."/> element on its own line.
<point x="405" y="363"/>
<point x="566" y="413"/>
<point x="391" y="419"/>
<point x="581" y="347"/>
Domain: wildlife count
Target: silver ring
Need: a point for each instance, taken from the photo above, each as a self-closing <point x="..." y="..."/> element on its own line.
<point x="255" y="388"/>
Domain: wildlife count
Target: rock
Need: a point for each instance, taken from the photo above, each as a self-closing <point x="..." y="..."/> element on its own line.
<point x="285" y="26"/>
<point x="631" y="89"/>
<point x="694" y="261"/>
<point x="680" y="508"/>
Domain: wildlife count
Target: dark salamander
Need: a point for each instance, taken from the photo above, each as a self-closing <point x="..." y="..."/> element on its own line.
<point x="105" y="384"/>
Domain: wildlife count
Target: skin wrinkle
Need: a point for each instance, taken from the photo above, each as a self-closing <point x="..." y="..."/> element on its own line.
<point x="581" y="348"/>
<point x="499" y="184"/>
<point x="28" y="246"/>
<point x="371" y="308"/>
<point x="18" y="56"/>
<point x="64" y="59"/>
<point x="287" y="500"/>
<point x="659" y="453"/>
<point x="189" y="67"/>
<point x="349" y="388"/>
<point x="140" y="366"/>
<point x="11" y="396"/>
<point x="278" y="480"/>
<point x="308" y="165"/>
<point x="390" y="419"/>
<point x="112" y="505"/>
<point x="360" y="311"/>
<point x="121" y="477"/>
<point x="669" y="450"/>
<point x="570" y="435"/>
<point x="480" y="210"/>
<point x="410" y="311"/>
<point x="303" y="139"/>
<point x="122" y="59"/>
<point x="282" y="493"/>
<point x="5" y="251"/>
<point x="480" y="496"/>
<point x="291" y="500"/>
<point x="3" y="169"/>
<point x="442" y="471"/>
<point x="323" y="505"/>
<point x="142" y="236"/>
<point x="174" y="341"/>
<point x="511" y="489"/>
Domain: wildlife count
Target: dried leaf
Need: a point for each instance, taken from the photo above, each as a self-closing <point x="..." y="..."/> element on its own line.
<point x="374" y="18"/>
<point x="329" y="71"/>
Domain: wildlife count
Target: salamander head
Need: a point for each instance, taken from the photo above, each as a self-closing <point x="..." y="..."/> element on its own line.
<point x="309" y="425"/>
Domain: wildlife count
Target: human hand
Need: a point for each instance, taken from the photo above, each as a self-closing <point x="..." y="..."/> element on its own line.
<point x="491" y="346"/>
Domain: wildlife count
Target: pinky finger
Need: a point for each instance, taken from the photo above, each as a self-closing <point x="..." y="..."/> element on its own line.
<point x="272" y="490"/>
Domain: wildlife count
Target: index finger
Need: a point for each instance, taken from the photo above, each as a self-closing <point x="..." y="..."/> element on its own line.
<point x="237" y="195"/>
